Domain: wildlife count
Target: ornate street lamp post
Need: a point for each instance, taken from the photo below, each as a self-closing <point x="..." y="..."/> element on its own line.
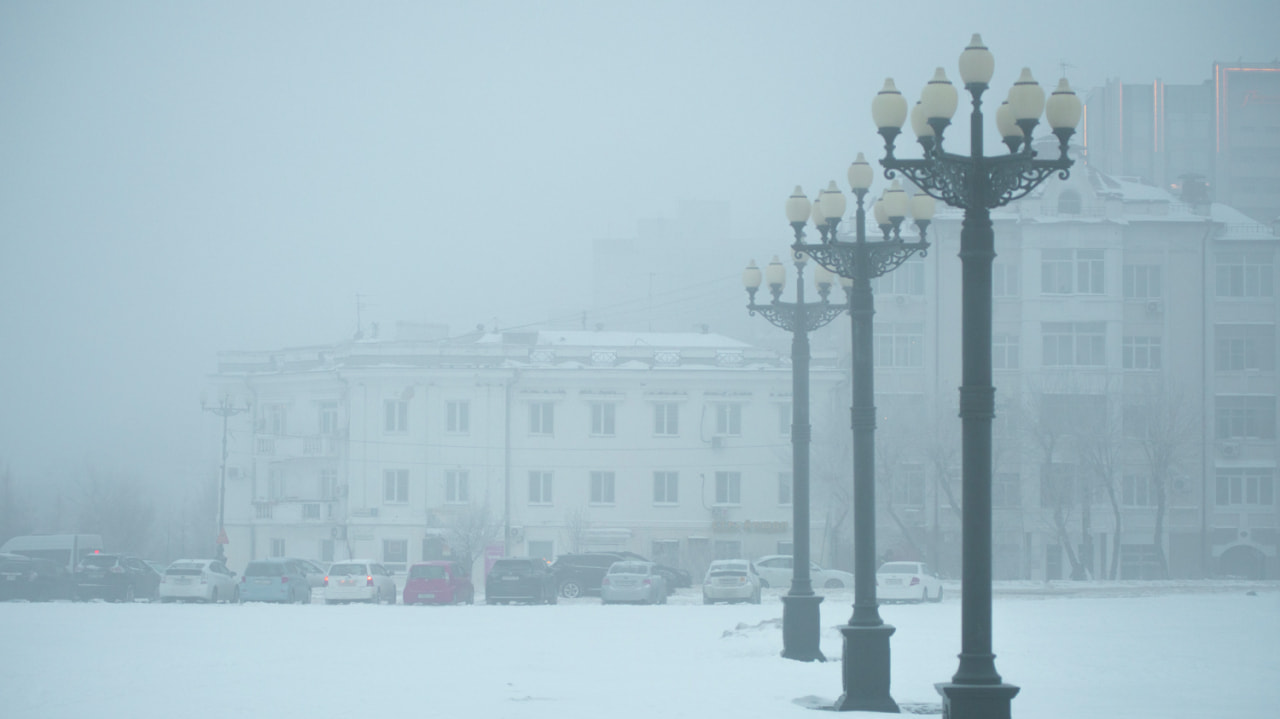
<point x="226" y="410"/>
<point x="977" y="183"/>
<point x="801" y="625"/>
<point x="865" y="667"/>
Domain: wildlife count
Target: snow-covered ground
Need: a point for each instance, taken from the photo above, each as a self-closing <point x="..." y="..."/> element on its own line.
<point x="1170" y="651"/>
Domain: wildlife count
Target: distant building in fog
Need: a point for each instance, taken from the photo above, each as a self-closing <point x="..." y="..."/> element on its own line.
<point x="675" y="446"/>
<point x="1224" y="132"/>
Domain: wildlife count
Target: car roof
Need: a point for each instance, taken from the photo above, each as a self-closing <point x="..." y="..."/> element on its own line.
<point x="194" y="561"/>
<point x="773" y="556"/>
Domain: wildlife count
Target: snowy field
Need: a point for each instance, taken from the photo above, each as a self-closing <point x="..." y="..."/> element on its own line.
<point x="1164" y="652"/>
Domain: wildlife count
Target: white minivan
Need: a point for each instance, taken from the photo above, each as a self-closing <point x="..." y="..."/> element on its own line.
<point x="359" y="580"/>
<point x="65" y="549"/>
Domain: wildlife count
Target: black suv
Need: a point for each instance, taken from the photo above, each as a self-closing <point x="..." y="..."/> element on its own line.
<point x="581" y="574"/>
<point x="121" y="577"/>
<point x="520" y="579"/>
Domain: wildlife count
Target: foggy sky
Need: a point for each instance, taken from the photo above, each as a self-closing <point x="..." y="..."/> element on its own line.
<point x="180" y="178"/>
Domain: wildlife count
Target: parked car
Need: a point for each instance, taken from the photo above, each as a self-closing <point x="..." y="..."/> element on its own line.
<point x="907" y="582"/>
<point x="578" y="575"/>
<point x="731" y="580"/>
<point x="633" y="581"/>
<point x="275" y="580"/>
<point x="120" y="577"/>
<point x="67" y="550"/>
<point x="675" y="576"/>
<point x="313" y="571"/>
<point x="438" y="582"/>
<point x="206" y="580"/>
<point x="520" y="579"/>
<point x="775" y="571"/>
<point x="34" y="579"/>
<point x="359" y="580"/>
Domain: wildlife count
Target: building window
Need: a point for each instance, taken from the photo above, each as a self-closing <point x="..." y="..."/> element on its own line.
<point x="729" y="419"/>
<point x="1071" y="272"/>
<point x="666" y="487"/>
<point x="277" y="548"/>
<point x="1137" y="491"/>
<point x="908" y="279"/>
<point x="1004" y="351"/>
<point x="666" y="419"/>
<point x="908" y="485"/>
<point x="665" y="551"/>
<point x="275" y="482"/>
<point x="728" y="549"/>
<point x="328" y="418"/>
<point x="1245" y="416"/>
<point x="539" y="487"/>
<point x="1245" y="486"/>
<point x="1244" y="274"/>
<point x="1069" y="202"/>
<point x="395" y="415"/>
<point x="275" y="419"/>
<point x="1004" y="280"/>
<point x="457" y="417"/>
<point x="311" y="510"/>
<point x="602" y="487"/>
<point x="1074" y="344"/>
<point x="395" y="486"/>
<point x="728" y="488"/>
<point x="602" y="414"/>
<point x="326" y="550"/>
<point x="542" y="417"/>
<point x="395" y="551"/>
<point x="1245" y="347"/>
<point x="784" y="489"/>
<point x="1006" y="490"/>
<point x="262" y="511"/>
<point x="456" y="490"/>
<point x="1141" y="352"/>
<point x="899" y="344"/>
<point x="1142" y="282"/>
<point x="328" y="484"/>
<point x="784" y="419"/>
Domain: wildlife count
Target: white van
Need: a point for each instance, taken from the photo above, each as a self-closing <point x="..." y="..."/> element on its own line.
<point x="65" y="549"/>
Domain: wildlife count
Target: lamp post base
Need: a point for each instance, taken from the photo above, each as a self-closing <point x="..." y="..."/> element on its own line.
<point x="866" y="670"/>
<point x="801" y="628"/>
<point x="974" y="701"/>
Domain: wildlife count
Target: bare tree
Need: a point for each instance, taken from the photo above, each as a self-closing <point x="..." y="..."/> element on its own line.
<point x="1100" y="447"/>
<point x="892" y="453"/>
<point x="118" y="509"/>
<point x="576" y="523"/>
<point x="1048" y="426"/>
<point x="14" y="516"/>
<point x="471" y="531"/>
<point x="1169" y="430"/>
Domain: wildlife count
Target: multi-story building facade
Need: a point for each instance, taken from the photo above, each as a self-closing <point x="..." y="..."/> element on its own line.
<point x="1134" y="359"/>
<point x="674" y="446"/>
<point x="1222" y="135"/>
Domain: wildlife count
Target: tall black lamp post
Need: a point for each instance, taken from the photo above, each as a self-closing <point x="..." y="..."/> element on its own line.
<point x="977" y="183"/>
<point x="865" y="667"/>
<point x="225" y="409"/>
<point x="801" y="624"/>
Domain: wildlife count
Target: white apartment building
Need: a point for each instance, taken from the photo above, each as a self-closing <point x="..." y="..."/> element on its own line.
<point x="672" y="445"/>
<point x="1135" y="371"/>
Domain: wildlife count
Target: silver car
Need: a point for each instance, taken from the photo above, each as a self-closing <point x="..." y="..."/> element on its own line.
<point x="731" y="580"/>
<point x="633" y="581"/>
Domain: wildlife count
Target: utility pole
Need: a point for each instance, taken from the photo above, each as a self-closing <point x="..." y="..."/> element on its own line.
<point x="225" y="409"/>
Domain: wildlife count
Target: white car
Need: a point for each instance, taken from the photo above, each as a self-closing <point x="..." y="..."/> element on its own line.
<point x="907" y="582"/>
<point x="359" y="580"/>
<point x="205" y="580"/>
<point x="731" y="580"/>
<point x="775" y="571"/>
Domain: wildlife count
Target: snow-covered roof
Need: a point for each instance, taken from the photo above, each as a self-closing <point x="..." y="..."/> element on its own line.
<point x="585" y="338"/>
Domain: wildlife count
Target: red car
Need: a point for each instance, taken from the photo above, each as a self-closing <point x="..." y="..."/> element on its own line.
<point x="438" y="582"/>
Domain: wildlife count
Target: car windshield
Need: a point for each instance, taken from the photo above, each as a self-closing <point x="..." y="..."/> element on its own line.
<point x="897" y="568"/>
<point x="629" y="568"/>
<point x="100" y="560"/>
<point x="513" y="565"/>
<point x="428" y="571"/>
<point x="347" y="570"/>
<point x="264" y="569"/>
<point x="178" y="569"/>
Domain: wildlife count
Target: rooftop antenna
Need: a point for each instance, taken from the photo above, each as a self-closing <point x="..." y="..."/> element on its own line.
<point x="1064" y="65"/>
